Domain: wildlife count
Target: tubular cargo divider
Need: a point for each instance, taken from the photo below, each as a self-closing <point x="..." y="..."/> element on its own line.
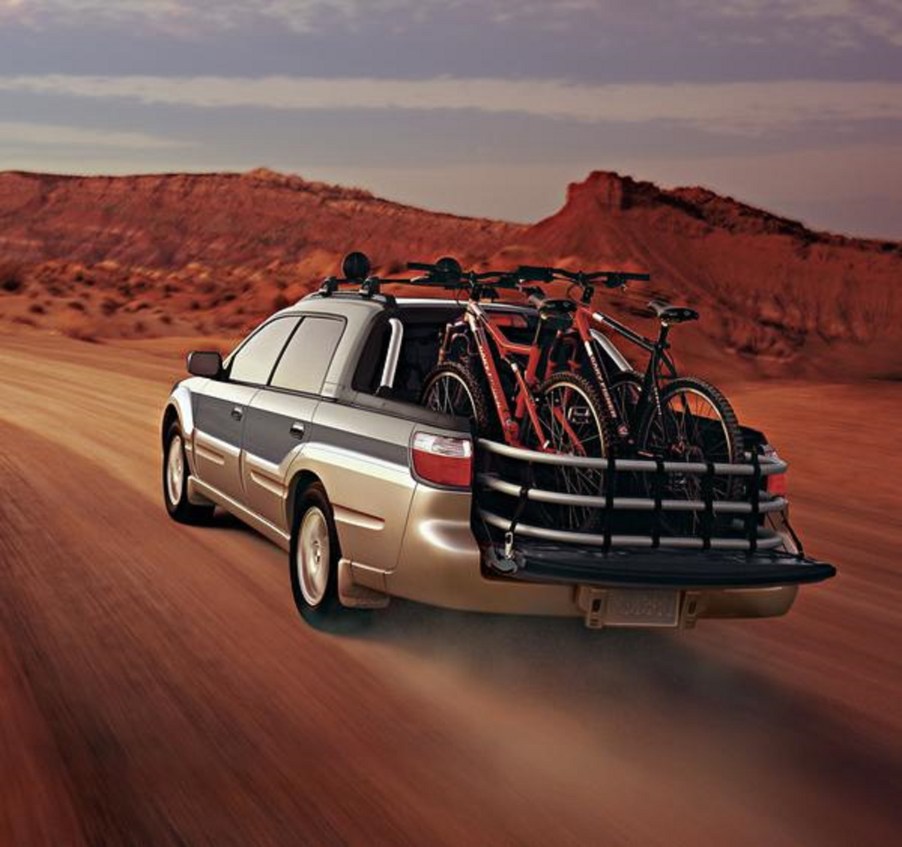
<point x="637" y="533"/>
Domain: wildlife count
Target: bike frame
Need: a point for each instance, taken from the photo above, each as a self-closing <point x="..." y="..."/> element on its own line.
<point x="583" y="320"/>
<point x="476" y="323"/>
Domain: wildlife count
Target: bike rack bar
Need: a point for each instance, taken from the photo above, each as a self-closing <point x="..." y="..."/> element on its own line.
<point x="768" y="464"/>
<point x="767" y="539"/>
<point x="640" y="504"/>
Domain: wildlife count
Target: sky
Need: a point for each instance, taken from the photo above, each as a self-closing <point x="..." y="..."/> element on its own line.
<point x="482" y="107"/>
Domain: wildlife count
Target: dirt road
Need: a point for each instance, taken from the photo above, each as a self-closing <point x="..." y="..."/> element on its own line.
<point x="156" y="685"/>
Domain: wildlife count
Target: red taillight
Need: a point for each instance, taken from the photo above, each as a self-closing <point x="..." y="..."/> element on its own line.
<point x="443" y="460"/>
<point x="776" y="485"/>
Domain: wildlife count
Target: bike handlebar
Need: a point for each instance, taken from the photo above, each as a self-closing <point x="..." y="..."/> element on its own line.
<point x="610" y="279"/>
<point x="448" y="274"/>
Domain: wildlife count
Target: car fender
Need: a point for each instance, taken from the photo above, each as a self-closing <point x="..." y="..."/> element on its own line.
<point x="179" y="404"/>
<point x="371" y="499"/>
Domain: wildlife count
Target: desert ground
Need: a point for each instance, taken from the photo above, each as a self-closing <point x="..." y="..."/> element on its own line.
<point x="159" y="688"/>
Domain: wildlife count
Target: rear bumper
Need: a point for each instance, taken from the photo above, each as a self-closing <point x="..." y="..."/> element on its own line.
<point x="442" y="564"/>
<point x="568" y="565"/>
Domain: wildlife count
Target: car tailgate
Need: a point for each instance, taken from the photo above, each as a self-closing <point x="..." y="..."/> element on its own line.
<point x="572" y="564"/>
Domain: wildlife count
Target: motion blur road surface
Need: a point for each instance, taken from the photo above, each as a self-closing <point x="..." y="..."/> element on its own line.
<point x="157" y="686"/>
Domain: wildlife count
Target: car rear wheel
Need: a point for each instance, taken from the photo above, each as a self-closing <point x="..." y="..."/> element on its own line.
<point x="175" y="481"/>
<point x="314" y="556"/>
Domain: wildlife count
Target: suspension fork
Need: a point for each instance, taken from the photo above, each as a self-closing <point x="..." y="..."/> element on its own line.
<point x="451" y="332"/>
<point x="509" y="426"/>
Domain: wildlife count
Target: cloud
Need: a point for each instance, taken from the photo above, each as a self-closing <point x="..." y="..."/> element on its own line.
<point x="181" y="15"/>
<point x="842" y="23"/>
<point x="53" y="135"/>
<point x="742" y="107"/>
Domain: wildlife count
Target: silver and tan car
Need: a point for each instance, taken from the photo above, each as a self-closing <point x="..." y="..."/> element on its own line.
<point x="310" y="431"/>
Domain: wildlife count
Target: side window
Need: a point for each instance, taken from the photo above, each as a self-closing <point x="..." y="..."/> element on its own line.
<point x="307" y="357"/>
<point x="254" y="360"/>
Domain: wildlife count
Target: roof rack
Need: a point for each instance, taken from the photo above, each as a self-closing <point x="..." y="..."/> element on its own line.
<point x="357" y="269"/>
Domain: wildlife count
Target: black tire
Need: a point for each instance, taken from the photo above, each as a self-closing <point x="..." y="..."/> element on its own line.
<point x="689" y="434"/>
<point x="175" y="481"/>
<point x="315" y="600"/>
<point x="454" y="389"/>
<point x="596" y="441"/>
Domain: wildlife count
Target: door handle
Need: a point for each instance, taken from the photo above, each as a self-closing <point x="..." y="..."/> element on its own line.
<point x="237" y="413"/>
<point x="297" y="430"/>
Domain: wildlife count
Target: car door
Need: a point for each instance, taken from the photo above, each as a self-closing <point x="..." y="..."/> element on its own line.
<point x="220" y="408"/>
<point x="279" y="417"/>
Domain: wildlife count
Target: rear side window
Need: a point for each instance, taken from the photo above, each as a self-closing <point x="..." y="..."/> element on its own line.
<point x="255" y="359"/>
<point x="308" y="355"/>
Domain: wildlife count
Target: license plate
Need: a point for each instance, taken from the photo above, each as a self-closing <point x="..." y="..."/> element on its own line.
<point x="642" y="607"/>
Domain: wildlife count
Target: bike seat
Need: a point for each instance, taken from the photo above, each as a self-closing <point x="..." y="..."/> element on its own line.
<point x="672" y="314"/>
<point x="557" y="307"/>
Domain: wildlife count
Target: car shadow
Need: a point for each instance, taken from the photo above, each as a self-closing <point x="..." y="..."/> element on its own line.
<point x="609" y="676"/>
<point x="613" y="676"/>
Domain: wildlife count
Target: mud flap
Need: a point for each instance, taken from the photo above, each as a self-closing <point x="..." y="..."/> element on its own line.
<point x="355" y="596"/>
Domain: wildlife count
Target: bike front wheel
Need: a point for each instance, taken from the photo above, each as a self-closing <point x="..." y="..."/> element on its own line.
<point x="570" y="413"/>
<point x="454" y="389"/>
<point x="696" y="424"/>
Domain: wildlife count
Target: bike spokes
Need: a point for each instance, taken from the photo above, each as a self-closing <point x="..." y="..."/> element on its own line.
<point x="572" y="424"/>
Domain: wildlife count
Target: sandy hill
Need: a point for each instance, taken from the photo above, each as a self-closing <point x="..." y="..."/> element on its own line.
<point x="181" y="253"/>
<point x="768" y="288"/>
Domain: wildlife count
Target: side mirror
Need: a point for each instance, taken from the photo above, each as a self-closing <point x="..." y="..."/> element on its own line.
<point x="205" y="363"/>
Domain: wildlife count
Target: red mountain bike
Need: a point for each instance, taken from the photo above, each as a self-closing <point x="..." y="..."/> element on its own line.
<point x="530" y="407"/>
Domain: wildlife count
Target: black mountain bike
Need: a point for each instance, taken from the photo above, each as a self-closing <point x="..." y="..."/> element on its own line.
<point x="658" y="414"/>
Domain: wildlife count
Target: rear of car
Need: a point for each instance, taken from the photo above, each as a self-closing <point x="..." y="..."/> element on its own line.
<point x="317" y="414"/>
<point x="470" y="545"/>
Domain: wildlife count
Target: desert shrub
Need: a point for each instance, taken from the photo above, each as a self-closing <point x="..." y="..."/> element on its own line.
<point x="37" y="309"/>
<point x="12" y="277"/>
<point x="280" y="301"/>
<point x="79" y="326"/>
